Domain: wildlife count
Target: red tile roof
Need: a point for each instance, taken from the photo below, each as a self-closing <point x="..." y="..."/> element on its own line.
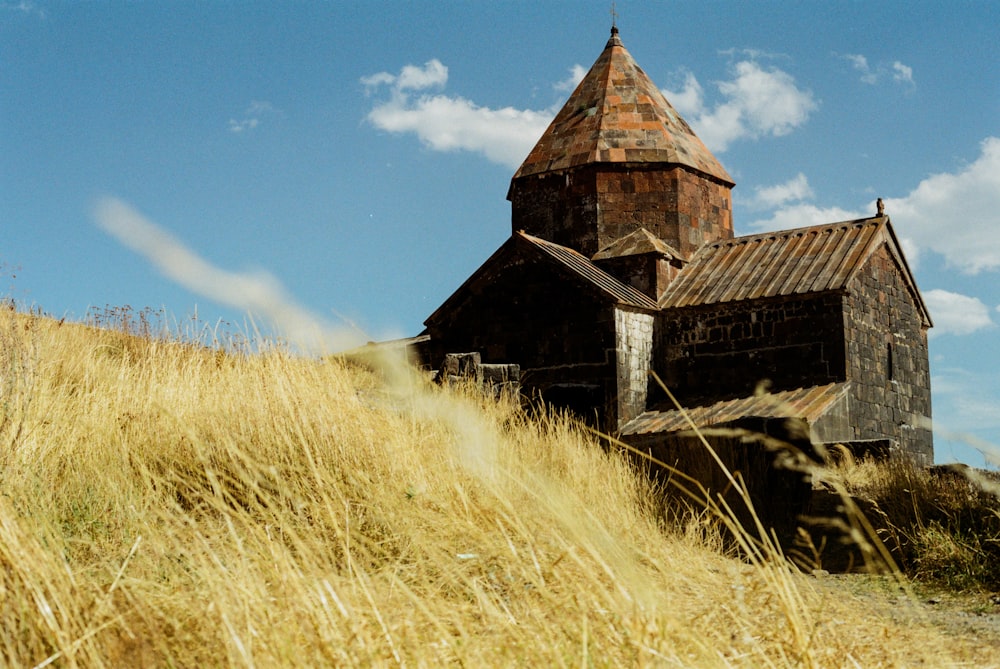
<point x="617" y="115"/>
<point x="637" y="243"/>
<point x="808" y="404"/>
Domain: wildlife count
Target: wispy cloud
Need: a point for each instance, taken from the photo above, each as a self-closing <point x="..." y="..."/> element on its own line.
<point x="258" y="293"/>
<point x="452" y="123"/>
<point x="433" y="74"/>
<point x="860" y="64"/>
<point x="968" y="398"/>
<point x="896" y="71"/>
<point x="251" y="117"/>
<point x="757" y="102"/>
<point x="902" y="73"/>
<point x="26" y="7"/>
<point x="957" y="314"/>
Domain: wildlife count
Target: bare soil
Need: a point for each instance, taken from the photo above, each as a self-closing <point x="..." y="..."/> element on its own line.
<point x="971" y="620"/>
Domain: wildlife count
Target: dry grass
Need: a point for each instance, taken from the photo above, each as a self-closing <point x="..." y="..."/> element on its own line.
<point x="941" y="525"/>
<point x="163" y="504"/>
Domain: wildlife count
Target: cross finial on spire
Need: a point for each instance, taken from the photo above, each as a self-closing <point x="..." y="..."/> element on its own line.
<point x="614" y="18"/>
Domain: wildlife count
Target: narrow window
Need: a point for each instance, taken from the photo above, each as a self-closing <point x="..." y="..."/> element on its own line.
<point x="889" y="371"/>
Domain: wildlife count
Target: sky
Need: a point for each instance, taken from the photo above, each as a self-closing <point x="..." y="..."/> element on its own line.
<point x="348" y="163"/>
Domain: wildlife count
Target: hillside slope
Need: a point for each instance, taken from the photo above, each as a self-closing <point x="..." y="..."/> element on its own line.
<point x="166" y="504"/>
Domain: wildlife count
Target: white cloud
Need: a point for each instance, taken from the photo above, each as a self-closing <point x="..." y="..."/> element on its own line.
<point x="911" y="251"/>
<point x="243" y="125"/>
<point x="860" y="64"/>
<point x="795" y="189"/>
<point x="802" y="215"/>
<point x="902" y="73"/>
<point x="758" y="102"/>
<point x="576" y="75"/>
<point x="434" y="74"/>
<point x="251" y="117"/>
<point x="956" y="214"/>
<point x="447" y="123"/>
<point x="768" y="99"/>
<point x="258" y="293"/>
<point x="504" y="136"/>
<point x="954" y="313"/>
<point x="689" y="100"/>
<point x="899" y="72"/>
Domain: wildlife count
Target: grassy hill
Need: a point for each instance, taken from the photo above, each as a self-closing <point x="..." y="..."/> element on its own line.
<point x="167" y="504"/>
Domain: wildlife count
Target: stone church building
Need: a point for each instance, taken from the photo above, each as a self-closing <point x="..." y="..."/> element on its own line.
<point x="622" y="268"/>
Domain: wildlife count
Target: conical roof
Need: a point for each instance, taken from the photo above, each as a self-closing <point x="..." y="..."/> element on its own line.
<point x="617" y="115"/>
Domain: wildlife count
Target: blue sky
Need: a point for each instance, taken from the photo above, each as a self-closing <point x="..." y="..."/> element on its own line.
<point x="351" y="160"/>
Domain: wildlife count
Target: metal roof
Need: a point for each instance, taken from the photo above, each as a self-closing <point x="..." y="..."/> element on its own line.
<point x="582" y="267"/>
<point x="804" y="403"/>
<point x="566" y="259"/>
<point x="618" y="115"/>
<point x="804" y="260"/>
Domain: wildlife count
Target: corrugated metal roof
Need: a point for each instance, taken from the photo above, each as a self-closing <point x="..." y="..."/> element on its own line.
<point x="581" y="266"/>
<point x="618" y="115"/>
<point x="804" y="260"/>
<point x="805" y="403"/>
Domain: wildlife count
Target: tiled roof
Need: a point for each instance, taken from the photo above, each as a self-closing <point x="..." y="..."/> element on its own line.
<point x="789" y="262"/>
<point x="805" y="403"/>
<point x="636" y="243"/>
<point x="617" y="115"/>
<point x="582" y="267"/>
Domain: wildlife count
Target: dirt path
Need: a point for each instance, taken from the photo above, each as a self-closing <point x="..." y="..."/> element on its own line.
<point x="971" y="620"/>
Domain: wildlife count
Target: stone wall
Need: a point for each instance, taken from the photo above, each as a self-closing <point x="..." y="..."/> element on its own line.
<point x="459" y="368"/>
<point x="649" y="273"/>
<point x="723" y="351"/>
<point x="777" y="488"/>
<point x="888" y="361"/>
<point x="634" y="343"/>
<point x="596" y="205"/>
<point x="566" y="348"/>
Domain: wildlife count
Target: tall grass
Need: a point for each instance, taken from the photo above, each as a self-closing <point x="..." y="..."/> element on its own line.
<point x="166" y="504"/>
<point x="941" y="525"/>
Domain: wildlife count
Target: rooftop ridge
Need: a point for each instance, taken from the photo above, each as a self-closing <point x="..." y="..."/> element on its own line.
<point x="791" y="232"/>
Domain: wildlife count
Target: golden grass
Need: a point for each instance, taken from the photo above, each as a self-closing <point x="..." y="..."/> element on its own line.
<point x="163" y="504"/>
<point x="942" y="526"/>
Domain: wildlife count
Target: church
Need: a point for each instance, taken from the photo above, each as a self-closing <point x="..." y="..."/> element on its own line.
<point x="622" y="276"/>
